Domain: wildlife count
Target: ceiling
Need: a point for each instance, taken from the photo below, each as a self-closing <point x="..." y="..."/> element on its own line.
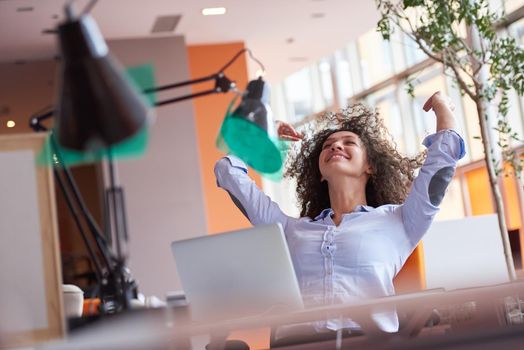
<point x="285" y="35"/>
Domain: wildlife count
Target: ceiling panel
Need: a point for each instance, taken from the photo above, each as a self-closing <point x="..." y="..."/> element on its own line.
<point x="275" y="30"/>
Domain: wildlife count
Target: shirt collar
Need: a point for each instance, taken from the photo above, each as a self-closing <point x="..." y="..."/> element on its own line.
<point x="328" y="211"/>
<point x="365" y="208"/>
<point x="324" y="213"/>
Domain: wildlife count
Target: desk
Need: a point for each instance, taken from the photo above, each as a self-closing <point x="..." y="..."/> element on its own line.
<point x="170" y="329"/>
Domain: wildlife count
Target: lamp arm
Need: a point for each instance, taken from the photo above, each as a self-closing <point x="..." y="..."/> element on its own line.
<point x="186" y="97"/>
<point x="75" y="203"/>
<point x="101" y="243"/>
<point x="176" y="85"/>
<point x="35" y="121"/>
<point x="222" y="85"/>
<point x="116" y="285"/>
<point x="99" y="239"/>
<point x="76" y="217"/>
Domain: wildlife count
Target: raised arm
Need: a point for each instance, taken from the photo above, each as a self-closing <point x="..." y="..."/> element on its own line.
<point x="443" y="108"/>
<point x="231" y="175"/>
<point x="445" y="148"/>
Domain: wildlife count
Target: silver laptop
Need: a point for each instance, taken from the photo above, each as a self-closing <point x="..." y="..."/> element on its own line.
<point x="234" y="274"/>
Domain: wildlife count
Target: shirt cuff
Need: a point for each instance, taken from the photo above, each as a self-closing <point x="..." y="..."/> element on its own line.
<point x="451" y="133"/>
<point x="237" y="162"/>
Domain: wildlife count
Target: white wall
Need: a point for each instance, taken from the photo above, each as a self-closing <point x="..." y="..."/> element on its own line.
<point x="163" y="189"/>
<point x="464" y="253"/>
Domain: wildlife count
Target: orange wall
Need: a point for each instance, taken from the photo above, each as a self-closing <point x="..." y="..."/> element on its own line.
<point x="411" y="277"/>
<point x="511" y="199"/>
<point x="480" y="195"/>
<point x="479" y="191"/>
<point x="222" y="215"/>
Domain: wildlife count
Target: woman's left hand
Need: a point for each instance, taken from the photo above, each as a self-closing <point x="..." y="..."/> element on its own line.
<point x="437" y="102"/>
<point x="443" y="108"/>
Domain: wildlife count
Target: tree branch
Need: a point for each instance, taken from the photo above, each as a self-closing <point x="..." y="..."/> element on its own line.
<point x="463" y="84"/>
<point x="432" y="55"/>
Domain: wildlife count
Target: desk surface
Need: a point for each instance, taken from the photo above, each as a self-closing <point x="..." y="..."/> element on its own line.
<point x="159" y="327"/>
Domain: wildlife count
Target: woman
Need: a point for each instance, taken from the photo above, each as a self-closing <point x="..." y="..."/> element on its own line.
<point x="362" y="211"/>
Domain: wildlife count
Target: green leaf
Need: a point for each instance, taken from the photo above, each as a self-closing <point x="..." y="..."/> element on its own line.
<point x="412" y="3"/>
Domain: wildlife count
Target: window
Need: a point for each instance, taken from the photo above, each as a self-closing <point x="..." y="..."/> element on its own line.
<point x="517" y="30"/>
<point x="376" y="60"/>
<point x="298" y="91"/>
<point x="386" y="103"/>
<point x="474" y="143"/>
<point x="343" y="80"/>
<point x="412" y="52"/>
<point x="326" y="83"/>
<point x="425" y="86"/>
<point x="514" y="116"/>
<point x="278" y="103"/>
<point x="517" y="105"/>
<point x="398" y="51"/>
<point x="512" y="5"/>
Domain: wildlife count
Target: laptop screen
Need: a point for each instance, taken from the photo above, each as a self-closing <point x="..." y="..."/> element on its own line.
<point x="241" y="273"/>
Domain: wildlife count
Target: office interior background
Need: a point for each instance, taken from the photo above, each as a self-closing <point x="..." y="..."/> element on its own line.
<point x="171" y="192"/>
<point x="376" y="71"/>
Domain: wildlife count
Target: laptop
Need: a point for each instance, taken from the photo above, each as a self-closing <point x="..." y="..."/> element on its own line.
<point x="235" y="274"/>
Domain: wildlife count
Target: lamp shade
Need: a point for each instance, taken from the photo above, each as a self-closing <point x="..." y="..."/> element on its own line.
<point x="249" y="131"/>
<point x="97" y="107"/>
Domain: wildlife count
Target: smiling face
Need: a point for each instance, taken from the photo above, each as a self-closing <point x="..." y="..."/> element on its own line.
<point x="343" y="154"/>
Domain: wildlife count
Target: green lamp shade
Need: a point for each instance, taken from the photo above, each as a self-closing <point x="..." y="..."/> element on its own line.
<point x="252" y="144"/>
<point x="249" y="133"/>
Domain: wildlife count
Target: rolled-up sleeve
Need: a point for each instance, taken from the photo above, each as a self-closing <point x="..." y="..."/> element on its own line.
<point x="231" y="175"/>
<point x="445" y="148"/>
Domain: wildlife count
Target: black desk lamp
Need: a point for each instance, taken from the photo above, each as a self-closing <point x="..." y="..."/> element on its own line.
<point x="97" y="109"/>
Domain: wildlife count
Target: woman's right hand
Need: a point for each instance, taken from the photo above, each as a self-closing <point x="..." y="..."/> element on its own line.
<point x="286" y="132"/>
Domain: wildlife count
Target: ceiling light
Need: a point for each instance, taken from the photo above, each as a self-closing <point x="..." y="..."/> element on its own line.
<point x="10" y="124"/>
<point x="213" y="11"/>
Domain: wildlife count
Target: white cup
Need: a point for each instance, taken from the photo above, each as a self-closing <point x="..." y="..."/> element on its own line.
<point x="73" y="300"/>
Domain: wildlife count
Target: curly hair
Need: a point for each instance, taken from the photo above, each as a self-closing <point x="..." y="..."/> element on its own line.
<point x="392" y="174"/>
